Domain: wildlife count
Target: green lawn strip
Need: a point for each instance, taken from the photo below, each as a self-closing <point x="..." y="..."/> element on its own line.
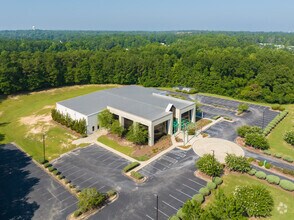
<point x="116" y="146"/>
<point x="279" y="195"/>
<point x="275" y="138"/>
<point x="57" y="137"/>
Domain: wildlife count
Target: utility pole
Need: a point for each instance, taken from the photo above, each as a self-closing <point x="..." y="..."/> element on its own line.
<point x="156" y="206"/>
<point x="44" y="147"/>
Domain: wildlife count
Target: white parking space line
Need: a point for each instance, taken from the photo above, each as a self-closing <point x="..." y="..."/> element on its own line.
<point x="102" y="155"/>
<point x="120" y="166"/>
<point x="176" y="199"/>
<point x="103" y="160"/>
<point x="163" y="164"/>
<point x="79" y="177"/>
<point x="67" y="207"/>
<point x="71" y="173"/>
<point x="71" y="167"/>
<point x="184" y="193"/>
<point x="170" y="205"/>
<point x="93" y="184"/>
<point x="190" y="187"/>
<point x="113" y="162"/>
<point x="85" y="180"/>
<point x="161" y="212"/>
<point x="154" y="167"/>
<point x="149" y="217"/>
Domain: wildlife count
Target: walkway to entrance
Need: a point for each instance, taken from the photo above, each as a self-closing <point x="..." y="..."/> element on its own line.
<point x="219" y="147"/>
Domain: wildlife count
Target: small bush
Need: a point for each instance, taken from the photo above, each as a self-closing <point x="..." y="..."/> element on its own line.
<point x="287" y="185"/>
<point x="51" y="169"/>
<point x="288" y="159"/>
<point x="131" y="166"/>
<point x="267" y="152"/>
<point x="252" y="172"/>
<point x="260" y="163"/>
<point x="137" y="134"/>
<point x="46" y="165"/>
<point x="289" y="137"/>
<point x="111" y="193"/>
<point x="43" y="161"/>
<point x="204" y="191"/>
<point x="242" y="107"/>
<point x="211" y="185"/>
<point x="137" y="175"/>
<point x="61" y="177"/>
<point x="251" y="159"/>
<point x="228" y="118"/>
<point x="209" y="165"/>
<point x="90" y="198"/>
<point x="55" y="172"/>
<point x="260" y="175"/>
<point x="216" y="117"/>
<point x="256" y="140"/>
<point x="273" y="179"/>
<point x="67" y="181"/>
<point x="77" y="213"/>
<point x="217" y="180"/>
<point x="180" y="213"/>
<point x="268" y="166"/>
<point x="236" y="163"/>
<point x="116" y="128"/>
<point x="278" y="155"/>
<point x="278" y="107"/>
<point x="199" y="198"/>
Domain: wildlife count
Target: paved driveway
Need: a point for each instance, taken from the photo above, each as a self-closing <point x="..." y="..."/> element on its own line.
<point x="170" y="177"/>
<point x="27" y="192"/>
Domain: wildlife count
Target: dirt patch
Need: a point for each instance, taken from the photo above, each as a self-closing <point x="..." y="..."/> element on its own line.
<point x="37" y="123"/>
<point x="48" y="107"/>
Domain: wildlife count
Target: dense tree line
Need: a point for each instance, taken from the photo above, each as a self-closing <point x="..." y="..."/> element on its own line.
<point x="230" y="64"/>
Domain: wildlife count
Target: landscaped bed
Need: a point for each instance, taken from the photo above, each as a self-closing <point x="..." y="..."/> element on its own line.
<point x="283" y="200"/>
<point x="138" y="152"/>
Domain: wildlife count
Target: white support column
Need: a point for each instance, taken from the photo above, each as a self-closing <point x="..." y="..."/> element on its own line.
<point x="179" y="117"/>
<point x="170" y="126"/>
<point x="121" y="121"/>
<point x="151" y="135"/>
<point x="193" y="114"/>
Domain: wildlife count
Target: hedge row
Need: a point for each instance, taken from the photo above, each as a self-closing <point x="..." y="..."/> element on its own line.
<point x="137" y="175"/>
<point x="79" y="126"/>
<point x="131" y="166"/>
<point x="274" y="122"/>
<point x="280" y="156"/>
<point x="273" y="179"/>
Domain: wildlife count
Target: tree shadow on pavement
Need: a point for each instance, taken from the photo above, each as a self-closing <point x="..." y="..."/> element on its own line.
<point x="15" y="184"/>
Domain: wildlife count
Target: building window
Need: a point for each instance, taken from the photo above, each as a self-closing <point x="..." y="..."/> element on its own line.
<point x="93" y="128"/>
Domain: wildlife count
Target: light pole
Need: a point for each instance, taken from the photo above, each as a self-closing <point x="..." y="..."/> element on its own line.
<point x="212" y="153"/>
<point x="44" y="147"/>
<point x="156" y="206"/>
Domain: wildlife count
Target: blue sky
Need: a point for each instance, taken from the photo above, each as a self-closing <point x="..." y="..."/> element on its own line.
<point x="157" y="15"/>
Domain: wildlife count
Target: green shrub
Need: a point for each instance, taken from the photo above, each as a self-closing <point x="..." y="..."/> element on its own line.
<point x="246" y="129"/>
<point x="174" y="217"/>
<point x="216" y="117"/>
<point x="211" y="185"/>
<point x="288" y="159"/>
<point x="267" y="152"/>
<point x="67" y="181"/>
<point x="137" y="175"/>
<point x="46" y="165"/>
<point x="131" y="166"/>
<point x="273" y="179"/>
<point x="256" y="140"/>
<point x="105" y="119"/>
<point x="251" y="159"/>
<point x="260" y="175"/>
<point x="289" y="137"/>
<point x="137" y="134"/>
<point x="252" y="172"/>
<point x="274" y="122"/>
<point x="287" y="185"/>
<point x="199" y="198"/>
<point x="204" y="191"/>
<point x="256" y="200"/>
<point x="278" y="107"/>
<point x="51" y="169"/>
<point x="77" y="213"/>
<point x="55" y="172"/>
<point x="209" y="165"/>
<point x="116" y="128"/>
<point x="90" y="198"/>
<point x="236" y="163"/>
<point x="278" y="155"/>
<point x="268" y="166"/>
<point x="228" y="118"/>
<point x="242" y="107"/>
<point x="260" y="163"/>
<point x="180" y="213"/>
<point x="191" y="130"/>
<point x="110" y="193"/>
<point x="217" y="180"/>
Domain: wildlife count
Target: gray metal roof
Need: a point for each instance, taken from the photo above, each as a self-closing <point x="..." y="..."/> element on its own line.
<point x="137" y="100"/>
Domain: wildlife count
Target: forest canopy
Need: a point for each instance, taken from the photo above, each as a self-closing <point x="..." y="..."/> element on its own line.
<point x="252" y="66"/>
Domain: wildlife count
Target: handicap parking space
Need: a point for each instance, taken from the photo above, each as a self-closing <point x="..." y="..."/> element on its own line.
<point x="24" y="186"/>
<point x="92" y="166"/>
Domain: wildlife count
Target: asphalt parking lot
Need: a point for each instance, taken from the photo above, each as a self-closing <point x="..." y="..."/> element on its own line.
<point x="27" y="192"/>
<point x="92" y="166"/>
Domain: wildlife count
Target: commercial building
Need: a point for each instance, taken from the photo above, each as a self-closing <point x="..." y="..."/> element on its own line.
<point x="160" y="114"/>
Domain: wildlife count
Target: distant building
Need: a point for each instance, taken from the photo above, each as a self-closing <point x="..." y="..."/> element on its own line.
<point x="129" y="104"/>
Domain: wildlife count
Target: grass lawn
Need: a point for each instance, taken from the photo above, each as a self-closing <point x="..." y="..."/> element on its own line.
<point x="279" y="195"/>
<point x="277" y="143"/>
<point x="116" y="146"/>
<point x="25" y="117"/>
